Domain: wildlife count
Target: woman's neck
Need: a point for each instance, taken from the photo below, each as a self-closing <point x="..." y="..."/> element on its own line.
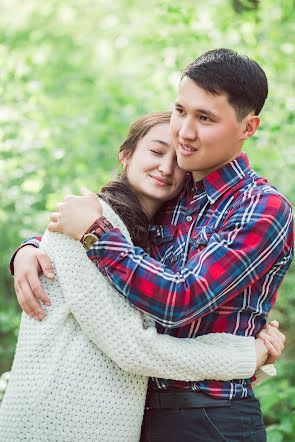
<point x="149" y="206"/>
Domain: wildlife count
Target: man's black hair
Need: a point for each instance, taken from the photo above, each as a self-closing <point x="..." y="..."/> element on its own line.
<point x="223" y="71"/>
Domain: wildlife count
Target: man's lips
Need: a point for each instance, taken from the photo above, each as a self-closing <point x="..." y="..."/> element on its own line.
<point x="187" y="149"/>
<point x="161" y="181"/>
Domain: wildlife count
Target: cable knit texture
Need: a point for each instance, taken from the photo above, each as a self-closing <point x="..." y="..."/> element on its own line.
<point x="81" y="374"/>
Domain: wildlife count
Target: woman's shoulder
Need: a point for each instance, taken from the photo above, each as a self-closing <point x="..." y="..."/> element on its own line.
<point x="114" y="218"/>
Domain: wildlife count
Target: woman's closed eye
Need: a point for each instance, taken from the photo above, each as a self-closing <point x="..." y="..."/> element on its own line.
<point x="156" y="152"/>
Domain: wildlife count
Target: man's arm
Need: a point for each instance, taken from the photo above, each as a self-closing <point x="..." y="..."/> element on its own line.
<point x="33" y="241"/>
<point x="258" y="231"/>
<point x="117" y="328"/>
<point x="26" y="264"/>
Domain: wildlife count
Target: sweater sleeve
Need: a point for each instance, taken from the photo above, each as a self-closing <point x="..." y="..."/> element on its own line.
<point x="117" y="328"/>
<point x="265" y="372"/>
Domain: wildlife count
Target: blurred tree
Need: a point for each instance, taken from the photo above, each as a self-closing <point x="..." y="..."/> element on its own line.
<point x="245" y="5"/>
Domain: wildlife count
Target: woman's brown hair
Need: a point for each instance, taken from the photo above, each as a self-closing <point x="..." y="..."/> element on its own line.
<point x="119" y="194"/>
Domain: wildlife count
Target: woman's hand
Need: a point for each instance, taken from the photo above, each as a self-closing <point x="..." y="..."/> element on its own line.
<point x="28" y="263"/>
<point x="76" y="214"/>
<point x="269" y="344"/>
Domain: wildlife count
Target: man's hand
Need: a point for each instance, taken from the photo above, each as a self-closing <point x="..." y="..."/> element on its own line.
<point x="273" y="340"/>
<point x="29" y="262"/>
<point x="76" y="214"/>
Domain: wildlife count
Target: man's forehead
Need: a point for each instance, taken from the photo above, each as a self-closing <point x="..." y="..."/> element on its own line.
<point x="197" y="99"/>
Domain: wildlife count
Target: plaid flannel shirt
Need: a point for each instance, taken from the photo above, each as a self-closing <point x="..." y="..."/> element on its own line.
<point x="219" y="257"/>
<point x="221" y="251"/>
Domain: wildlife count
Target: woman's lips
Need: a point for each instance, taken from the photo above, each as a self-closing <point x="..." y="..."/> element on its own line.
<point x="160" y="181"/>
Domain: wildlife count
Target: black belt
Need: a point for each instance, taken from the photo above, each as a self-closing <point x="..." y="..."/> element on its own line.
<point x="183" y="399"/>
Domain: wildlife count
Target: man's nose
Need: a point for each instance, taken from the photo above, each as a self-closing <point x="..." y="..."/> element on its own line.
<point x="188" y="129"/>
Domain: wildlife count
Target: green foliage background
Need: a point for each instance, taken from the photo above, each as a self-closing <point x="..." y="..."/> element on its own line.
<point x="74" y="75"/>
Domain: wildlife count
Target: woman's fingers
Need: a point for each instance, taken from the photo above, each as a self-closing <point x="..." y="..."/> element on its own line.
<point x="264" y="336"/>
<point x="273" y="353"/>
<point x="275" y="333"/>
<point x="274" y="340"/>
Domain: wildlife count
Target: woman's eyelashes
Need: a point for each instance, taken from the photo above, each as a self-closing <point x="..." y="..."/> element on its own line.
<point x="156" y="152"/>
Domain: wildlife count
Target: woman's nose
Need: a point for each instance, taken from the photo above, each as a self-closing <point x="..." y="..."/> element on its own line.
<point x="166" y="166"/>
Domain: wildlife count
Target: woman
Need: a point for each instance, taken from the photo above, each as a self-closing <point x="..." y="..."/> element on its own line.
<point x="63" y="386"/>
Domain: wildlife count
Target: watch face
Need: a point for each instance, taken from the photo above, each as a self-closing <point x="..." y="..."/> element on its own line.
<point x="89" y="239"/>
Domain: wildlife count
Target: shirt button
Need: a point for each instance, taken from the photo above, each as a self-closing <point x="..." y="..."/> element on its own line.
<point x="173" y="259"/>
<point x="189" y="218"/>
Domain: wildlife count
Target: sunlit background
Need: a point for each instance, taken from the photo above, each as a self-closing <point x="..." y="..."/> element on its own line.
<point x="74" y="75"/>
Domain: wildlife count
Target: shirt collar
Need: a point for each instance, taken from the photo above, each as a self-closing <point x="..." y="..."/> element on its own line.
<point x="218" y="182"/>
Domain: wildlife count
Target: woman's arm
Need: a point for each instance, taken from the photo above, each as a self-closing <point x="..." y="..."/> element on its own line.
<point x="145" y="350"/>
<point x="117" y="328"/>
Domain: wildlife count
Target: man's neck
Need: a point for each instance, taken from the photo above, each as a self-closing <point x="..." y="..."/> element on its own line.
<point x="199" y="175"/>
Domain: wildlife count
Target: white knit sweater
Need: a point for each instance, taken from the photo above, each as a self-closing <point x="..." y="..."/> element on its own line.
<point x="81" y="373"/>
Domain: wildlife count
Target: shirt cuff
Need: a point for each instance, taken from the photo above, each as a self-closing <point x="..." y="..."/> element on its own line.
<point x="110" y="246"/>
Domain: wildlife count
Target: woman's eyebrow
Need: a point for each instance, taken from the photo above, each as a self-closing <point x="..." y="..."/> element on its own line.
<point x="160" y="142"/>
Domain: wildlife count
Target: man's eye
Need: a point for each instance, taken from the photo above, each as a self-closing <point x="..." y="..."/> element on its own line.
<point x="204" y="118"/>
<point x="179" y="110"/>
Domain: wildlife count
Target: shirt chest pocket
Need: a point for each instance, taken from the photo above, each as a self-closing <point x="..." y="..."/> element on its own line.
<point x="162" y="237"/>
<point x="200" y="238"/>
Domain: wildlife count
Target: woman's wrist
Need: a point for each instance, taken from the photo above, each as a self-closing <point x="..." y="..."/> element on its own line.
<point x="261" y="352"/>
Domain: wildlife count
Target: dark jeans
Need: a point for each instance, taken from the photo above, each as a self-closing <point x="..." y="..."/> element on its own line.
<point x="240" y="421"/>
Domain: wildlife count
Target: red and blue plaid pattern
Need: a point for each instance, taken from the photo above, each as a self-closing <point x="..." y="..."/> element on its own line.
<point x="220" y="254"/>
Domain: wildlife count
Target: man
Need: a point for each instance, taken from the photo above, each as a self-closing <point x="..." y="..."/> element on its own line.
<point x="222" y="248"/>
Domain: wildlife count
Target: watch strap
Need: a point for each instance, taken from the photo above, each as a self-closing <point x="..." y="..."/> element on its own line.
<point x="99" y="228"/>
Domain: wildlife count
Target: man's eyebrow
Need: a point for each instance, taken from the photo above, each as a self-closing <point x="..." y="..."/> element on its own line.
<point x="160" y="142"/>
<point x="206" y="112"/>
<point x="200" y="111"/>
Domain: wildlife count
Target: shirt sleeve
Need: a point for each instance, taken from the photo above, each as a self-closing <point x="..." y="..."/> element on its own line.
<point x="118" y="329"/>
<point x="33" y="241"/>
<point x="257" y="235"/>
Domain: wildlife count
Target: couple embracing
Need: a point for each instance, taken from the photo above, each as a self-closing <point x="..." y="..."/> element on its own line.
<point x="169" y="274"/>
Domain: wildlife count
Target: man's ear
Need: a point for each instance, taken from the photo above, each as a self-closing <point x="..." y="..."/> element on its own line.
<point x="250" y="126"/>
<point x="123" y="159"/>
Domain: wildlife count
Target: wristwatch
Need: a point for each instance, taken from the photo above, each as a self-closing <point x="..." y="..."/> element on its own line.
<point x="95" y="231"/>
